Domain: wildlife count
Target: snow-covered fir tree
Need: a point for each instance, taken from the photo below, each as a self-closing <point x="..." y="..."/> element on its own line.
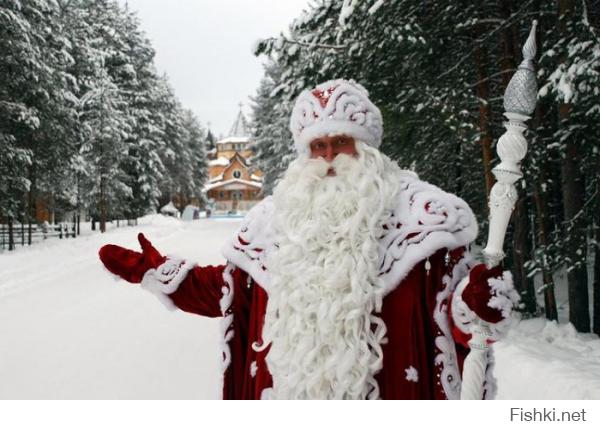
<point x="272" y="139"/>
<point x="87" y="120"/>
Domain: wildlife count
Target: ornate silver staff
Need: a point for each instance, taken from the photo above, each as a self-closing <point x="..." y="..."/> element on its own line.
<point x="519" y="103"/>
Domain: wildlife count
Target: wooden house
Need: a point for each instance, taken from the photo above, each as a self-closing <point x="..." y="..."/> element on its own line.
<point x="234" y="184"/>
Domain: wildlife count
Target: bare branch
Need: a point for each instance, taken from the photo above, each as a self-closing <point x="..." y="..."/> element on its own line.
<point x="310" y="45"/>
<point x="493" y="76"/>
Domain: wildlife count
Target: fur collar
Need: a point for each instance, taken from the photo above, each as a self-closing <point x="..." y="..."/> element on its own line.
<point x="425" y="219"/>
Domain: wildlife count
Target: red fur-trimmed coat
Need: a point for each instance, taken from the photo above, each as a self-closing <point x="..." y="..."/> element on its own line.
<point x="423" y="256"/>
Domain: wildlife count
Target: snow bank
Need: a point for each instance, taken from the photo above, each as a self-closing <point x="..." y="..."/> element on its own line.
<point x="541" y="359"/>
<point x="158" y="220"/>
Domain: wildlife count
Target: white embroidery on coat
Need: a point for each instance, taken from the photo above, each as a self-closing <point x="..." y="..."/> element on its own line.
<point x="449" y="375"/>
<point x="412" y="374"/>
<point x="227" y="329"/>
<point x="166" y="278"/>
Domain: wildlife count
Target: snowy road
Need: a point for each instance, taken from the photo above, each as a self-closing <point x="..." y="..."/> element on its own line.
<point x="69" y="331"/>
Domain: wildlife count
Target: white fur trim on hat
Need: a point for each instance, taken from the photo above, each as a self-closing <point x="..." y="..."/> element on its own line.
<point x="335" y="107"/>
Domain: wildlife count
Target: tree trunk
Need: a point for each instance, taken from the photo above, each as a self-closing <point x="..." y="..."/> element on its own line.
<point x="485" y="113"/>
<point x="11" y="238"/>
<point x="573" y="188"/>
<point x="521" y="255"/>
<point x="597" y="277"/>
<point x="596" y="285"/>
<point x="30" y="204"/>
<point x="542" y="220"/>
<point x="102" y="205"/>
<point x="576" y="247"/>
<point x="78" y="209"/>
<point x="541" y="198"/>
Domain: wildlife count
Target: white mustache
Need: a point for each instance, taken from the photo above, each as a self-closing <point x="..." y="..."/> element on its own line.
<point x="319" y="167"/>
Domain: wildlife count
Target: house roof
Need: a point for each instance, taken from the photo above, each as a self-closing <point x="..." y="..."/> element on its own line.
<point x="221" y="161"/>
<point x="216" y="178"/>
<point x="239" y="132"/>
<point x="240" y="126"/>
<point x="240" y="158"/>
<point x="218" y="184"/>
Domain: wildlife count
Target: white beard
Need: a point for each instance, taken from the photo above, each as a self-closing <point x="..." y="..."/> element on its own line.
<point x="325" y="339"/>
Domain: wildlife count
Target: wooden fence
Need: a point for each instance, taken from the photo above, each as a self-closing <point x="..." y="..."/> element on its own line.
<point x="38" y="233"/>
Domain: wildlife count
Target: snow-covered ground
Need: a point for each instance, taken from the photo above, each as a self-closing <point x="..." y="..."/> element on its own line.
<point x="68" y="330"/>
<point x="540" y="359"/>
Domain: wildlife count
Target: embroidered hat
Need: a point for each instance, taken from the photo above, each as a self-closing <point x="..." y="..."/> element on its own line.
<point x="332" y="108"/>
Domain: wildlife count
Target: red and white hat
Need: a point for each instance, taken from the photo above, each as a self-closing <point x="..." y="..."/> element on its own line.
<point x="335" y="107"/>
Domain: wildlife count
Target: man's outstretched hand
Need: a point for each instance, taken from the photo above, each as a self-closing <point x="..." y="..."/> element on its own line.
<point x="131" y="265"/>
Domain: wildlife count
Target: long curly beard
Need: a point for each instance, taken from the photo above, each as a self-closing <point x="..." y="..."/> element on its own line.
<point x="320" y="322"/>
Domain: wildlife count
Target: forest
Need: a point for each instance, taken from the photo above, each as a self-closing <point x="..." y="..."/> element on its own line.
<point x="87" y="124"/>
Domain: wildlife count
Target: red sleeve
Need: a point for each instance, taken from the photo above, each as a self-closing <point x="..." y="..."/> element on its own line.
<point x="200" y="291"/>
<point x="458" y="267"/>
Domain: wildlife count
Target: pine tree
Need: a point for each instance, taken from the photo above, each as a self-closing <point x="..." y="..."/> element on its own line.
<point x="272" y="143"/>
<point x="86" y="122"/>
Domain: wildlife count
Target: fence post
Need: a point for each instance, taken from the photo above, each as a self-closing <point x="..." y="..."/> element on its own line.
<point x="11" y="238"/>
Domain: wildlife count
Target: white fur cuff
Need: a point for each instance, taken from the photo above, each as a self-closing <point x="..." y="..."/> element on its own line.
<point x="166" y="278"/>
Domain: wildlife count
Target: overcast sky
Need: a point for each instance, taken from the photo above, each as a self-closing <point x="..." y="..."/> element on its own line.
<point x="205" y="47"/>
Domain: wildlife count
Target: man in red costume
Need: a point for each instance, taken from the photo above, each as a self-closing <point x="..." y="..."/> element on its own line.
<point x="346" y="283"/>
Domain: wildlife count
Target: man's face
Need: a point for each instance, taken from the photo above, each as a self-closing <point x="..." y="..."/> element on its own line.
<point x="329" y="147"/>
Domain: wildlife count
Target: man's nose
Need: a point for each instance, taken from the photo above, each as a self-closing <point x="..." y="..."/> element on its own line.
<point x="329" y="154"/>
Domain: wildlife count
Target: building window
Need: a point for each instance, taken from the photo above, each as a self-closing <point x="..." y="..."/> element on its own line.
<point x="237" y="174"/>
<point x="236" y="195"/>
<point x="221" y="194"/>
